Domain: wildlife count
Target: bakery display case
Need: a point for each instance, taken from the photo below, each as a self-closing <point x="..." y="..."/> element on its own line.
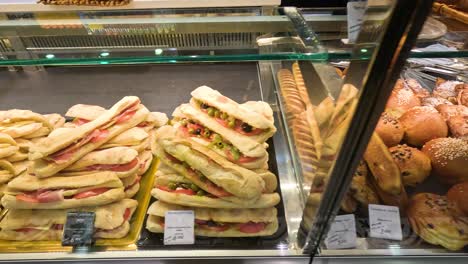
<point x="193" y="132"/>
<point x="420" y="138"/>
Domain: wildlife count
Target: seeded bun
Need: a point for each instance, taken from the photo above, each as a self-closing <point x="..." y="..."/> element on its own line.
<point x="414" y="165"/>
<point x="449" y="159"/>
<point x="390" y="129"/>
<point x="421" y="124"/>
<point x="402" y="98"/>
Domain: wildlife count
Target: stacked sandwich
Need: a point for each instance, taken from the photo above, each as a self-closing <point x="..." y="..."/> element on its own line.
<point x="128" y="154"/>
<point x="18" y="130"/>
<point x="215" y="163"/>
<point x="66" y="174"/>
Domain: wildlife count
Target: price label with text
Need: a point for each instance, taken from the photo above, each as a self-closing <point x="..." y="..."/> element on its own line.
<point x="355" y="10"/>
<point x="384" y="222"/>
<point x="179" y="228"/>
<point x="342" y="233"/>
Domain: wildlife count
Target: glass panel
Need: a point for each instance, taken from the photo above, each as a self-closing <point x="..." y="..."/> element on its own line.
<point x="419" y="157"/>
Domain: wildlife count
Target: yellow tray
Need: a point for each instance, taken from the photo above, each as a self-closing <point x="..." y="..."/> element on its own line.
<point x="126" y="243"/>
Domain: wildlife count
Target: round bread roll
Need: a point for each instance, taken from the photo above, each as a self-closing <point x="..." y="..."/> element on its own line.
<point x="449" y="159"/>
<point x="389" y="129"/>
<point x="421" y="124"/>
<point x="447" y="111"/>
<point x="462" y="97"/>
<point x="402" y="99"/>
<point x="434" y="101"/>
<point x="457" y="198"/>
<point x="414" y="165"/>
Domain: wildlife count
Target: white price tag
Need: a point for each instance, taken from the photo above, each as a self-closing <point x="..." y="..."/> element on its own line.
<point x="384" y="222"/>
<point x="355" y="10"/>
<point x="178" y="228"/>
<point x="342" y="233"/>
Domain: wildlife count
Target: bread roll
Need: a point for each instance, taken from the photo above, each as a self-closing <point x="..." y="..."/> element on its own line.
<point x="457" y="198"/>
<point x="402" y="98"/>
<point x="292" y="98"/>
<point x="449" y="159"/>
<point x="414" y="165"/>
<point x="448" y="90"/>
<point x="417" y="89"/>
<point x="462" y="97"/>
<point x="458" y="126"/>
<point x="434" y="101"/>
<point x="431" y="219"/>
<point x="381" y="164"/>
<point x="389" y="129"/>
<point x="447" y="111"/>
<point x="422" y="124"/>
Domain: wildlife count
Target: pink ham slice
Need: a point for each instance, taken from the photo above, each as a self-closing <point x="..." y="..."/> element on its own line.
<point x="116" y="167"/>
<point x="65" y="154"/>
<point x="50" y="196"/>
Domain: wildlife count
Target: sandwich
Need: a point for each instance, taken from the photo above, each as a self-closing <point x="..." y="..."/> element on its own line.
<point x="7" y="171"/>
<point x="252" y="120"/>
<point x="23" y="123"/>
<point x="174" y="188"/>
<point x="83" y="114"/>
<point x="243" y="151"/>
<point x="145" y="158"/>
<point x="22" y="152"/>
<point x="8" y="145"/>
<point x="65" y="146"/>
<point x="219" y="222"/>
<point x="136" y="138"/>
<point x="56" y="120"/>
<point x="30" y="192"/>
<point x="131" y="185"/>
<point x="112" y="221"/>
<point x="121" y="160"/>
<point x="204" y="167"/>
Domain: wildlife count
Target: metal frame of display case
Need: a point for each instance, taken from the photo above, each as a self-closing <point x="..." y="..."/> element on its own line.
<point x="406" y="21"/>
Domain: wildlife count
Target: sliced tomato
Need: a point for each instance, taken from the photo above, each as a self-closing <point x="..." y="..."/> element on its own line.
<point x="216" y="228"/>
<point x="164" y="188"/>
<point x="26" y="198"/>
<point x="242" y="158"/>
<point x="90" y="193"/>
<point x="185" y="191"/>
<point x="127" y="213"/>
<point x="80" y="121"/>
<point x="251" y="227"/>
<point x="210" y="186"/>
<point x="222" y="122"/>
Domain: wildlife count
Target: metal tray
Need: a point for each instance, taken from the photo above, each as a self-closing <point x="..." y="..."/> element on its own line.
<point x="126" y="243"/>
<point x="152" y="241"/>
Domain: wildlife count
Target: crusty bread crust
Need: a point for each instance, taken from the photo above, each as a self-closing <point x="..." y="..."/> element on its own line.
<point x="159" y="208"/>
<point x="264" y="201"/>
<point x="247" y="145"/>
<point x="236" y="180"/>
<point x="111" y="156"/>
<point x="153" y="226"/>
<point x="55" y="143"/>
<point x="43" y="168"/>
<point x="10" y="201"/>
<point x="232" y="108"/>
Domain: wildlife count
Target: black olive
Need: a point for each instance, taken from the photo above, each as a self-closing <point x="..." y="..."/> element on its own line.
<point x="198" y="131"/>
<point x="431" y="226"/>
<point x="204" y="106"/>
<point x="246" y="127"/>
